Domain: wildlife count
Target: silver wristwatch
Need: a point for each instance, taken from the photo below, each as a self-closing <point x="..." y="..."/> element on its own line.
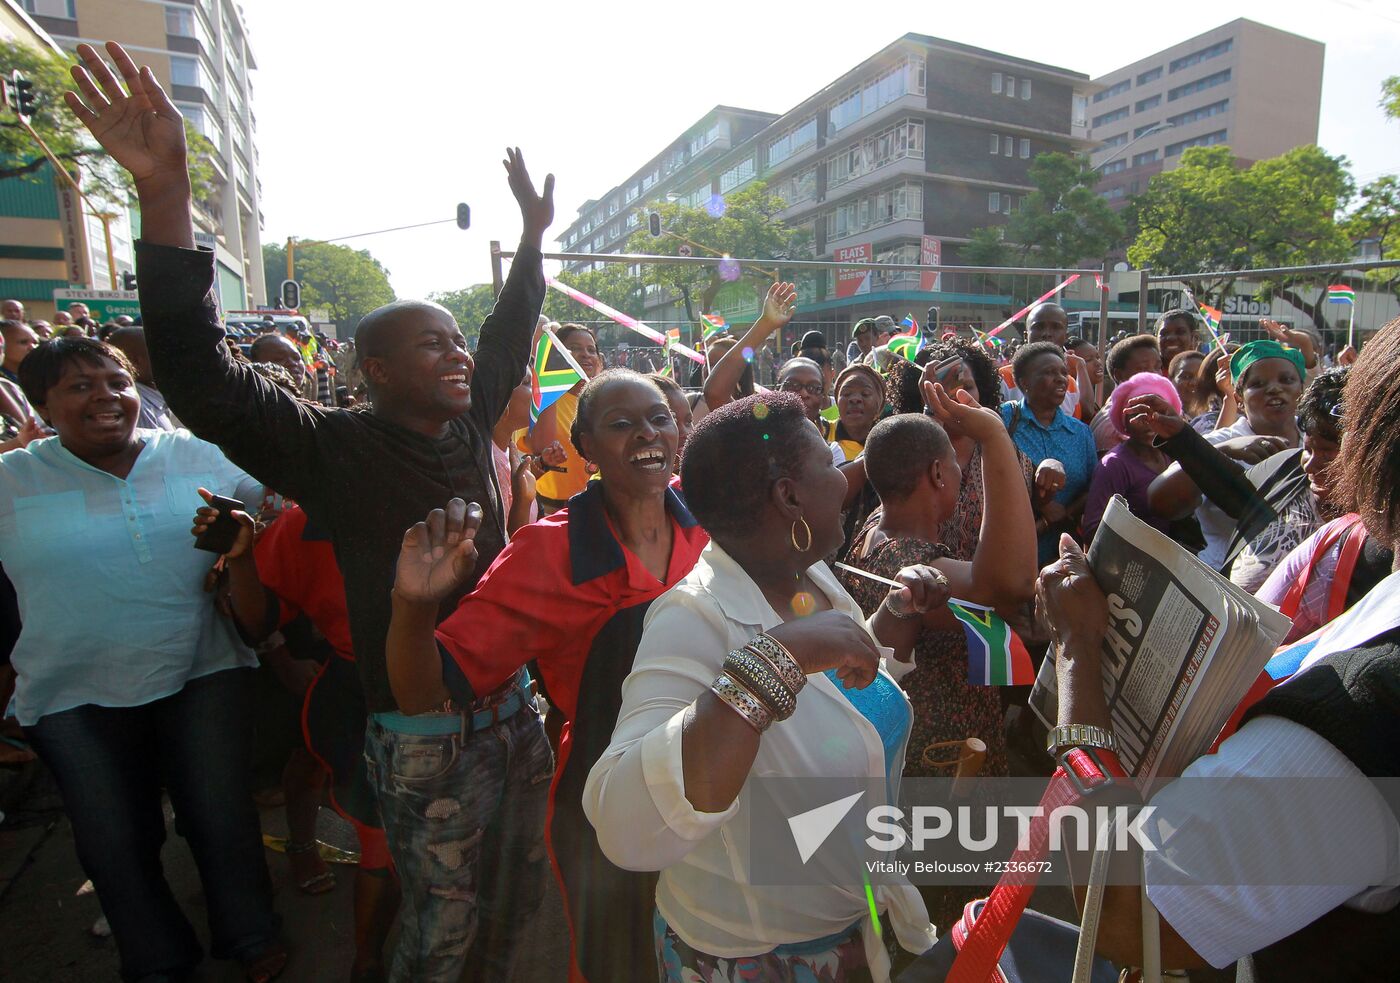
<point x="1080" y="735"/>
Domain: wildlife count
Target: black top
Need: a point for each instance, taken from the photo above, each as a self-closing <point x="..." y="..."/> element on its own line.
<point x="361" y="478"/>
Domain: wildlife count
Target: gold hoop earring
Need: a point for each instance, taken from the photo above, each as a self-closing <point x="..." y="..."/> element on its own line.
<point x="806" y="529"/>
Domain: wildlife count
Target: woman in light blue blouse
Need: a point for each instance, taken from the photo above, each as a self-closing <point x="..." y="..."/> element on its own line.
<point x="129" y="680"/>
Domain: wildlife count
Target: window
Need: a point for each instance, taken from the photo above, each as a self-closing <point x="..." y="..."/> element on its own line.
<point x="51" y="8"/>
<point x="612" y="208"/>
<point x="1011" y="87"/>
<point x="893" y="204"/>
<point x="185" y="71"/>
<point x="1079" y="110"/>
<point x="801" y="187"/>
<point x="993" y="201"/>
<point x="1151" y="102"/>
<point x="597" y="243"/>
<point x="797" y="139"/>
<point x="1114" y="167"/>
<point x="1151" y="75"/>
<point x="1114" y="193"/>
<point x="1008" y="146"/>
<point x="1111" y="117"/>
<point x="996" y="83"/>
<point x="1209" y="140"/>
<point x="614" y="230"/>
<point x="1196" y="57"/>
<point x="1025" y="149"/>
<point x="205" y="122"/>
<point x="1208" y="82"/>
<point x="634" y="219"/>
<point x="906" y="254"/>
<point x="1025" y="89"/>
<point x="1117" y="89"/>
<point x="996" y="144"/>
<point x="1006" y="204"/>
<point x="906" y="78"/>
<point x="736" y="175"/>
<point x="700" y="141"/>
<point x="649" y="181"/>
<point x="1117" y="141"/>
<point x="1146" y="157"/>
<point x="631" y="194"/>
<point x="179" y="21"/>
<point x="1205" y="112"/>
<point x="904" y="139"/>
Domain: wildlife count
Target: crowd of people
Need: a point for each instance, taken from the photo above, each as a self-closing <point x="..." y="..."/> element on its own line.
<point x="698" y="588"/>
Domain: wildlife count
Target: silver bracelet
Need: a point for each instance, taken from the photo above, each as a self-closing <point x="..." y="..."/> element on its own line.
<point x="911" y="616"/>
<point x="781" y="660"/>
<point x="757" y="676"/>
<point x="742" y="702"/>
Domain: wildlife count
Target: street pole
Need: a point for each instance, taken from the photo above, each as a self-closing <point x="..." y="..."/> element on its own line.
<point x="291" y="257"/>
<point x="1351" y="326"/>
<point x="498" y="280"/>
<point x="1103" y="326"/>
<point x="1142" y="306"/>
<point x="105" y="217"/>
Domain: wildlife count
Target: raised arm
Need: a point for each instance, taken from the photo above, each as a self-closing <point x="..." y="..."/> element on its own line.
<point x="266" y="431"/>
<point x="778" y="309"/>
<point x="503" y="350"/>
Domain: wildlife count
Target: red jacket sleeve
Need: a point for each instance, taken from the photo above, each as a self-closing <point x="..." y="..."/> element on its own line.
<point x="525" y="607"/>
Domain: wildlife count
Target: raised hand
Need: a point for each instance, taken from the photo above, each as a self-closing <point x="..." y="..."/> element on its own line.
<point x="924" y="590"/>
<point x="963" y="412"/>
<point x="552" y="455"/>
<point x="439" y="553"/>
<point x="537" y="210"/>
<point x="1158" y="414"/>
<point x="522" y="478"/>
<point x="138" y="125"/>
<point x="779" y="306"/>
<point x="1069" y="599"/>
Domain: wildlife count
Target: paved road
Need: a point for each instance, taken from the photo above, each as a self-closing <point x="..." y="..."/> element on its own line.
<point x="44" y="925"/>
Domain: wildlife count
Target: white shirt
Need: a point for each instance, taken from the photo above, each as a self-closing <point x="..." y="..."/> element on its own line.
<point x="1229" y="842"/>
<point x="1216" y="526"/>
<point x="635" y="795"/>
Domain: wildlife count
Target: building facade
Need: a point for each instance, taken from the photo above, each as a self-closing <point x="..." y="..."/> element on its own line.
<point x="912" y="149"/>
<point x="199" y="50"/>
<point x="1252" y="87"/>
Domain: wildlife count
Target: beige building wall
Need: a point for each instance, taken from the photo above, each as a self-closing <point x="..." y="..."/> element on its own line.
<point x="1280" y="92"/>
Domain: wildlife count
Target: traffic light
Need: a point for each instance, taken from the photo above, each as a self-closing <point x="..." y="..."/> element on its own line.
<point x="464" y="215"/>
<point x="21" y="96"/>
<point x="291" y="295"/>
<point x="128" y="281"/>
<point x="654" y="224"/>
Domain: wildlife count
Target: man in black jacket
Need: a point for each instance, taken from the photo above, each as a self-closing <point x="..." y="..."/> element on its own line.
<point x="463" y="790"/>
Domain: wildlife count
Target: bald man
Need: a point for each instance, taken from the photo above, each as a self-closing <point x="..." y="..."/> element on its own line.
<point x="154" y="414"/>
<point x="1049" y="322"/>
<point x="12" y="310"/>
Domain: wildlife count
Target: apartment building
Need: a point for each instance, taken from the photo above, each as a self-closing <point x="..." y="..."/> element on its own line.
<point x="909" y="151"/>
<point x="199" y="50"/>
<point x="1245" y="84"/>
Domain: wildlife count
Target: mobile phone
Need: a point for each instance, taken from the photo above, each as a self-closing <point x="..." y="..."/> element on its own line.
<point x="221" y="534"/>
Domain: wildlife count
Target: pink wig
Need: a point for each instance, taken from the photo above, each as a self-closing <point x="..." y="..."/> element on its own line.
<point x="1140" y="384"/>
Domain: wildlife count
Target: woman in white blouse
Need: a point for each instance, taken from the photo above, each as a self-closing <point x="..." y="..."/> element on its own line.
<point x="682" y="787"/>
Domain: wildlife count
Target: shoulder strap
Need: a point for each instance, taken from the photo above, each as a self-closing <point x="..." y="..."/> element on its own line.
<point x="1293" y="600"/>
<point x="1348" y="554"/>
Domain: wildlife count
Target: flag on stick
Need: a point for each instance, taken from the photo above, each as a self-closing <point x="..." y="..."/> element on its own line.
<point x="908" y="342"/>
<point x="1340" y="293"/>
<point x="553" y="373"/>
<point x="996" y="656"/>
<point x="711" y="325"/>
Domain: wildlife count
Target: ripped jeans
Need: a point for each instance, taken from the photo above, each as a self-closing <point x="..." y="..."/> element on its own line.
<point x="464" y="816"/>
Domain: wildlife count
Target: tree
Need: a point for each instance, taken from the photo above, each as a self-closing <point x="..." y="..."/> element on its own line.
<point x="1210" y="216"/>
<point x="348" y="283"/>
<point x="20" y="156"/>
<point x="1377" y="217"/>
<point x="1063" y="221"/>
<point x="614" y="285"/>
<point x="748" y="228"/>
<point x="1390" y="97"/>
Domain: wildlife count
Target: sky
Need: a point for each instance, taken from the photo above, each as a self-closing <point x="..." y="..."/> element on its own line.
<point x="367" y="121"/>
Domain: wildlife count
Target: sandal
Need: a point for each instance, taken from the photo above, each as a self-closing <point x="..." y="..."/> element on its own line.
<point x="266" y="965"/>
<point x="317" y="883"/>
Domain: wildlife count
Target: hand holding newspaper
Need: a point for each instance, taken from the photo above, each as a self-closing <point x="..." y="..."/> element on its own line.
<point x="1184" y="644"/>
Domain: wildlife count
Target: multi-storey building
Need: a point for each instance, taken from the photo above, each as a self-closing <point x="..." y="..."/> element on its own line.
<point x="1253" y="87"/>
<point x="927" y="140"/>
<point x="199" y="51"/>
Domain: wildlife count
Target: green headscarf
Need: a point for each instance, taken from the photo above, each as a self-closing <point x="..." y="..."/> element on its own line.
<point x="1257" y="351"/>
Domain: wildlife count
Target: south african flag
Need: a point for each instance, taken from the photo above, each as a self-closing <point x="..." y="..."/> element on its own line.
<point x="908" y="342"/>
<point x="711" y="325"/>
<point x="996" y="655"/>
<point x="553" y="373"/>
<point x="1340" y="293"/>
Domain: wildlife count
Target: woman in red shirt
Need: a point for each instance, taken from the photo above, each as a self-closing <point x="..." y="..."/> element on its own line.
<point x="569" y="593"/>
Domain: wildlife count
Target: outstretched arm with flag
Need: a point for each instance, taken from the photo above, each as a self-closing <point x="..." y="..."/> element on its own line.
<point x="778" y="308"/>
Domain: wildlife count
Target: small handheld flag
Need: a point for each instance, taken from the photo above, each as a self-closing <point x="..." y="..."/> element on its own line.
<point x="996" y="656"/>
<point x="553" y="373"/>
<point x="711" y="325"/>
<point x="673" y="337"/>
<point x="908" y="342"/>
<point x="1340" y="293"/>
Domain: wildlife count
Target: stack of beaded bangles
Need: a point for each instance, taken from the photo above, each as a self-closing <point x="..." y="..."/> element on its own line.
<point x="760" y="682"/>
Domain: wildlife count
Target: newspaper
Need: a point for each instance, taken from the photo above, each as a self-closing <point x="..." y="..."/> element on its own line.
<point x="1184" y="645"/>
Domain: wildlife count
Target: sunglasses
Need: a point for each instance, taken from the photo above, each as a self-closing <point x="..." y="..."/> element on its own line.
<point x="811" y="388"/>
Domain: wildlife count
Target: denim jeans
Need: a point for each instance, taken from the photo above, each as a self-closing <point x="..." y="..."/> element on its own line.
<point x="110" y="764"/>
<point x="464" y="814"/>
